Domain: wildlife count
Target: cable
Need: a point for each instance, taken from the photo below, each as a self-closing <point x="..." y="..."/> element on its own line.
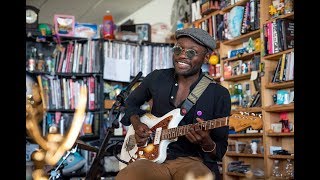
<point x="115" y="154"/>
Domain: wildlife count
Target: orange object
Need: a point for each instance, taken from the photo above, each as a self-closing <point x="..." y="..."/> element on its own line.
<point x="108" y="26"/>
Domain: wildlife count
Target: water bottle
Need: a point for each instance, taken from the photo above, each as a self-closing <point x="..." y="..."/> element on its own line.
<point x="108" y="26"/>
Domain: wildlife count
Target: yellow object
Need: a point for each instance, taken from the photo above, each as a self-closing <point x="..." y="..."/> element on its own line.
<point x="257" y="44"/>
<point x="272" y="10"/>
<point x="214" y="59"/>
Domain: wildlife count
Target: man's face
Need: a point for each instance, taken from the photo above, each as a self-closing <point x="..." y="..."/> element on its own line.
<point x="185" y="66"/>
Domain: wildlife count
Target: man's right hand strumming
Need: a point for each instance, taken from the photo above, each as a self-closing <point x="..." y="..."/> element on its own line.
<point x="142" y="131"/>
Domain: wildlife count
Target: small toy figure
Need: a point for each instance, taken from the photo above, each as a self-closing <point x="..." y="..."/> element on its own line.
<point x="250" y="47"/>
<point x="272" y="10"/>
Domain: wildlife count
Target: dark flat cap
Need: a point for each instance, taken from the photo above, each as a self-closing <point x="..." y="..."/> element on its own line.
<point x="199" y="35"/>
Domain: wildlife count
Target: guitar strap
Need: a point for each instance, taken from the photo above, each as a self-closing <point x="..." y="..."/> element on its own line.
<point x="196" y="93"/>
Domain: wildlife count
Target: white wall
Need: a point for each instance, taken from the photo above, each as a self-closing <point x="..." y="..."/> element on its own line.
<point x="154" y="12"/>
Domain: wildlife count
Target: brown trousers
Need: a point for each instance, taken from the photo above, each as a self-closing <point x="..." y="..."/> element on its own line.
<point x="182" y="168"/>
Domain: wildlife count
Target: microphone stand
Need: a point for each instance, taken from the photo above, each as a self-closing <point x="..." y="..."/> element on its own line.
<point x="96" y="168"/>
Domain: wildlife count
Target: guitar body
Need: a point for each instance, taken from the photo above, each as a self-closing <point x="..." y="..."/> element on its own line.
<point x="155" y="149"/>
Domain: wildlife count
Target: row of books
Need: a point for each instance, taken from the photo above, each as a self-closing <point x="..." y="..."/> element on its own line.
<point x="278" y="35"/>
<point x="251" y="16"/>
<point x="76" y="57"/>
<point x="144" y="58"/>
<point x="240" y="20"/>
<point x="285" y="68"/>
<point x="63" y="93"/>
<point x="214" y="26"/>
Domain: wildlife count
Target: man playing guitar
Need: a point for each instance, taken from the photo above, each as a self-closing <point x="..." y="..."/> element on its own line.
<point x="194" y="155"/>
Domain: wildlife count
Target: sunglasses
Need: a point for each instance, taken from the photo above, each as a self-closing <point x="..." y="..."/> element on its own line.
<point x="190" y="53"/>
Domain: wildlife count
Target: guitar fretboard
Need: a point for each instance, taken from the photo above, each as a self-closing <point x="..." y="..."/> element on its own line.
<point x="183" y="130"/>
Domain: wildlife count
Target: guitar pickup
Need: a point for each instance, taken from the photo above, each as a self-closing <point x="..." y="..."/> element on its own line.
<point x="157" y="136"/>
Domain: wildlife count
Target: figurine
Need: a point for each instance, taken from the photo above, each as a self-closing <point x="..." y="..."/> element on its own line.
<point x="250" y="47"/>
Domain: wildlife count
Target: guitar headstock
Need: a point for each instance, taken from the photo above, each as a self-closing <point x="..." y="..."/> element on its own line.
<point x="243" y="120"/>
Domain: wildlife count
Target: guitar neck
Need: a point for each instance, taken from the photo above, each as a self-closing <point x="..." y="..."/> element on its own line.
<point x="183" y="130"/>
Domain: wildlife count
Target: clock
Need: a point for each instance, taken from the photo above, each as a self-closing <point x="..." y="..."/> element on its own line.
<point x="32" y="17"/>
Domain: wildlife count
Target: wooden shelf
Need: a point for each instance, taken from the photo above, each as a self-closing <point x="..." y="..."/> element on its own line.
<point x="244" y="155"/>
<point x="281" y="157"/>
<point x="239" y="77"/>
<point x="280" y="108"/>
<point x="276" y="56"/>
<point x="235" y="174"/>
<point x="205" y="17"/>
<point x="285" y="16"/>
<point x="243" y="38"/>
<point x="243" y="57"/>
<point x="243" y="175"/>
<point x="246" y="135"/>
<point x="280" y="85"/>
<point x="249" y="110"/>
<point x="280" y="134"/>
<point x="240" y="3"/>
<point x="263" y="160"/>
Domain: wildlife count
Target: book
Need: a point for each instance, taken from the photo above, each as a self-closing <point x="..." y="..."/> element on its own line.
<point x="288" y="33"/>
<point x="275" y="77"/>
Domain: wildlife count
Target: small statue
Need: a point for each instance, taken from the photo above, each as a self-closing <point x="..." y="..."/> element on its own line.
<point x="254" y="147"/>
<point x="250" y="47"/>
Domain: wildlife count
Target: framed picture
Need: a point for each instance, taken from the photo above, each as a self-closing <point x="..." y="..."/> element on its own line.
<point x="64" y="24"/>
<point x="143" y="31"/>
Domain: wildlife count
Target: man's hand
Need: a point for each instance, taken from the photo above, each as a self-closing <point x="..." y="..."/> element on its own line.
<point x="198" y="136"/>
<point x="142" y="131"/>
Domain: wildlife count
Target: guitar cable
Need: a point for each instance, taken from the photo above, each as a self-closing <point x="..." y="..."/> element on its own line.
<point x="115" y="154"/>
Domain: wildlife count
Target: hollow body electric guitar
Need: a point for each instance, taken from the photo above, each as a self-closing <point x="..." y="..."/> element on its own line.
<point x="165" y="130"/>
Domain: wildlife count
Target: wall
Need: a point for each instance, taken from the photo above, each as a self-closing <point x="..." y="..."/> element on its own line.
<point x="154" y="12"/>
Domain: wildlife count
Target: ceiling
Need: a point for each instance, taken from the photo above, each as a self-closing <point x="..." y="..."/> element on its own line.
<point x="86" y="11"/>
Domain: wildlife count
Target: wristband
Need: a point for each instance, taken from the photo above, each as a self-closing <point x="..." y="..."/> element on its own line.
<point x="209" y="150"/>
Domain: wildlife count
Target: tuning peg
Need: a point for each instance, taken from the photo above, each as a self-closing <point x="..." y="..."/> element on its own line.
<point x="260" y="115"/>
<point x="253" y="114"/>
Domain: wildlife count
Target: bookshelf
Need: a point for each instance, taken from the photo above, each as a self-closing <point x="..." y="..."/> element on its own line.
<point x="61" y="83"/>
<point x="270" y="111"/>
